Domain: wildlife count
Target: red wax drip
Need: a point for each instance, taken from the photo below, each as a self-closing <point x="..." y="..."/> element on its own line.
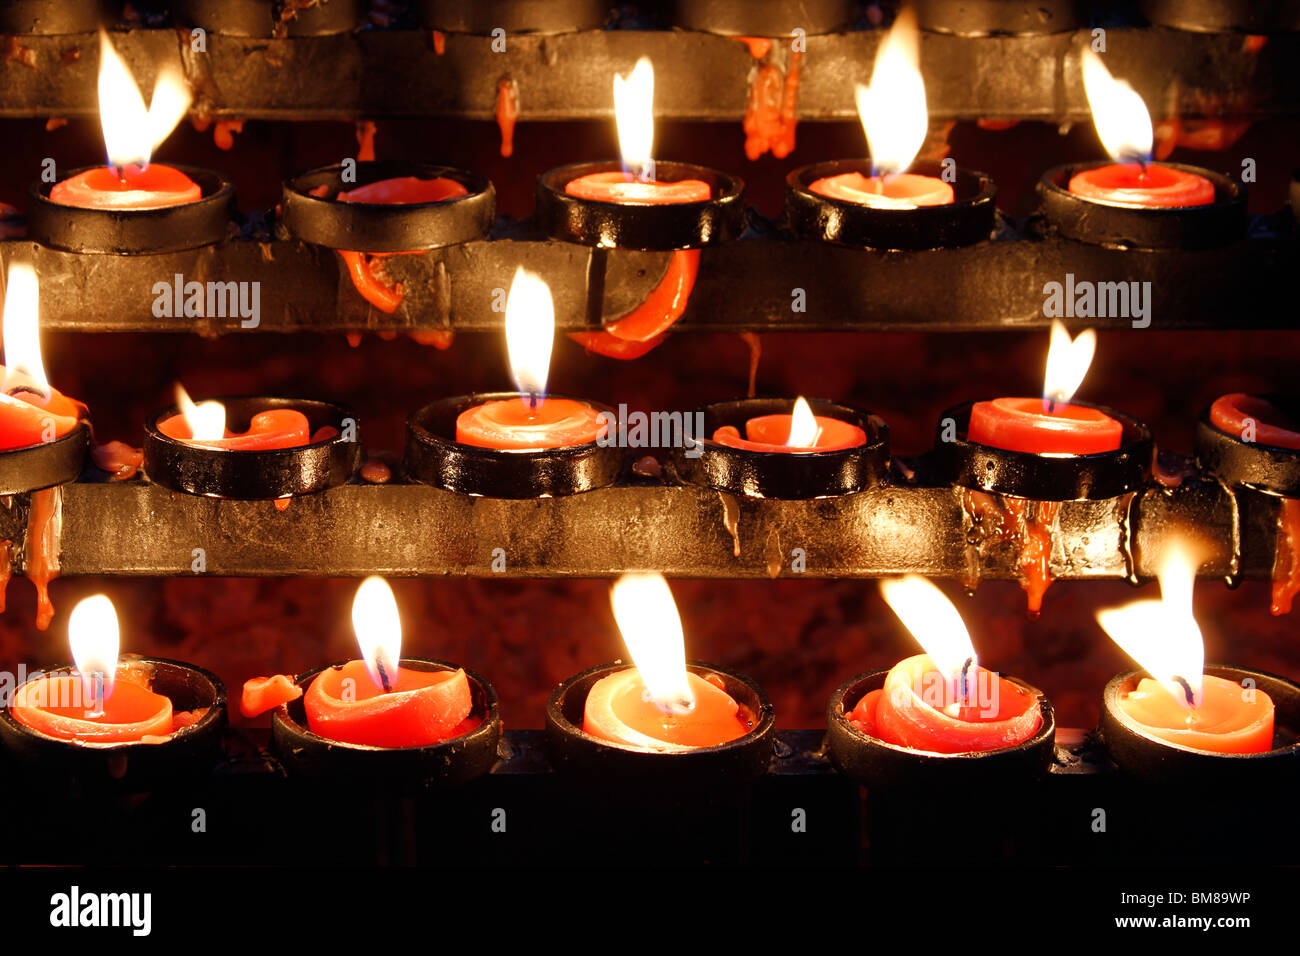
<point x="151" y="187"/>
<point x="1023" y="424"/>
<point x="1153" y="185"/>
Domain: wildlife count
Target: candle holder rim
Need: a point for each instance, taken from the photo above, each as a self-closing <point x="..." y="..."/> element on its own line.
<point x="476" y="179"/>
<point x="215" y="712"/>
<point x="212" y="184"/>
<point x="1227" y="191"/>
<point x="838" y="711"/>
<point x="1204" y="417"/>
<point x="877" y="436"/>
<point x="487" y="727"/>
<point x="1110" y="697"/>
<point x="55" y="457"/>
<point x="1272" y="470"/>
<point x="801" y="177"/>
<point x="764" y="719"/>
<point x="471" y="399"/>
<point x="171" y="411"/>
<point x="1131" y="425"/>
<point x="558" y="177"/>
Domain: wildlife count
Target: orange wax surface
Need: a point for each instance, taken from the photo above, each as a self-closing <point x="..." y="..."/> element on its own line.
<point x="424" y="707"/>
<point x="916" y="708"/>
<point x="26" y="420"/>
<point x="511" y="423"/>
<point x="1023" y="424"/>
<point x="1234" y="413"/>
<point x="1225" y="722"/>
<point x="403" y="190"/>
<point x="897" y="191"/>
<point x="1131" y="184"/>
<point x="276" y="428"/>
<point x="57" y="706"/>
<point x="616" y="710"/>
<point x="151" y="187"/>
<point x="617" y="186"/>
<point x="771" y="432"/>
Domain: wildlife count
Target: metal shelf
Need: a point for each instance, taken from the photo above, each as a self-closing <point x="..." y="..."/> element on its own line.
<point x="375" y="74"/>
<point x="136" y="528"/>
<point x="994" y="285"/>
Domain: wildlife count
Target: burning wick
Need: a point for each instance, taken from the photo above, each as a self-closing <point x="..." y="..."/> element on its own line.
<point x="1188" y="693"/>
<point x="384" y="680"/>
<point x="96" y="684"/>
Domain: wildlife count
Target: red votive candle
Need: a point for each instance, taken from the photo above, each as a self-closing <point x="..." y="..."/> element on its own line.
<point x="27" y="418"/>
<point x="515" y="423"/>
<point x="1027" y="425"/>
<point x="1249" y="415"/>
<point x="620" y="187"/>
<point x="617" y="710"/>
<point x="131" y="187"/>
<point x="1228" y="721"/>
<point x="918" y="708"/>
<point x="56" y="706"/>
<point x="405" y="190"/>
<point x="896" y="191"/>
<point x="772" y="433"/>
<point x="1151" y="185"/>
<point x="419" y="708"/>
<point x="276" y="428"/>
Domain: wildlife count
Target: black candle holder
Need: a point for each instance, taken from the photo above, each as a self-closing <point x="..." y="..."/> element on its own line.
<point x="966" y="220"/>
<point x="1144" y="756"/>
<point x="434" y="457"/>
<point x="386" y="227"/>
<point x="573" y="750"/>
<point x="1223" y="16"/>
<point x="877" y="763"/>
<point x="264" y="18"/>
<point x="615" y="225"/>
<point x="532" y="16"/>
<point x="764" y="18"/>
<point x="448" y="763"/>
<point x="1268" y="468"/>
<point x="134" y="232"/>
<point x="45" y="465"/>
<point x="760" y="474"/>
<point x="997" y="17"/>
<point x="134" y="766"/>
<point x="1094" y="477"/>
<point x="51" y="17"/>
<point x="251" y="474"/>
<point x="1138" y="227"/>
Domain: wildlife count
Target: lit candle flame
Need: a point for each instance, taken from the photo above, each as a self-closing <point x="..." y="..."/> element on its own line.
<point x="94" y="638"/>
<point x="892" y="109"/>
<point x="24" y="368"/>
<point x="530" y="334"/>
<point x="634" y="98"/>
<point x="652" y="630"/>
<point x="132" y="131"/>
<point x="936" y="625"/>
<point x="1121" y="118"/>
<point x="804" y="430"/>
<point x="1162" y="635"/>
<point x="1068" y="361"/>
<point x="206" y="420"/>
<point x="378" y="627"/>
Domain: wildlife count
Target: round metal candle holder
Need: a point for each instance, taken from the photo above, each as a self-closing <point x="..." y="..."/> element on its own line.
<point x="514" y="16"/>
<point x="1140" y="227"/>
<point x="617" y="225"/>
<point x="764" y="18"/>
<point x="980" y="18"/>
<point x="448" y="763"/>
<point x="1020" y="474"/>
<point x="264" y="18"/>
<point x="878" y="763"/>
<point x="1224" y="16"/>
<point x="252" y="475"/>
<point x="136" y="765"/>
<point x="386" y="227"/>
<point x="51" y="17"/>
<point x="134" y="232"/>
<point x="966" y="220"/>
<point x="762" y="474"/>
<point x="45" y="465"/>
<point x="1268" y="468"/>
<point x="573" y="750"/>
<point x="434" y="457"/>
<point x="1139" y="753"/>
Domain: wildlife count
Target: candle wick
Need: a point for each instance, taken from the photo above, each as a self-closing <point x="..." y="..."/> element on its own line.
<point x="965" y="672"/>
<point x="383" y="677"/>
<point x="1186" y="685"/>
<point x="97" y="682"/>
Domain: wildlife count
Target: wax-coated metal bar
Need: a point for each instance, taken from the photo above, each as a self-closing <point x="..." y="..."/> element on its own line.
<point x="375" y="74"/>
<point x="136" y="528"/>
<point x="788" y="286"/>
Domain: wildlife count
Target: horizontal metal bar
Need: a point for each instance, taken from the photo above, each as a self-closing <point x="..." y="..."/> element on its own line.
<point x="387" y="73"/>
<point x="136" y="528"/>
<point x="993" y="285"/>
